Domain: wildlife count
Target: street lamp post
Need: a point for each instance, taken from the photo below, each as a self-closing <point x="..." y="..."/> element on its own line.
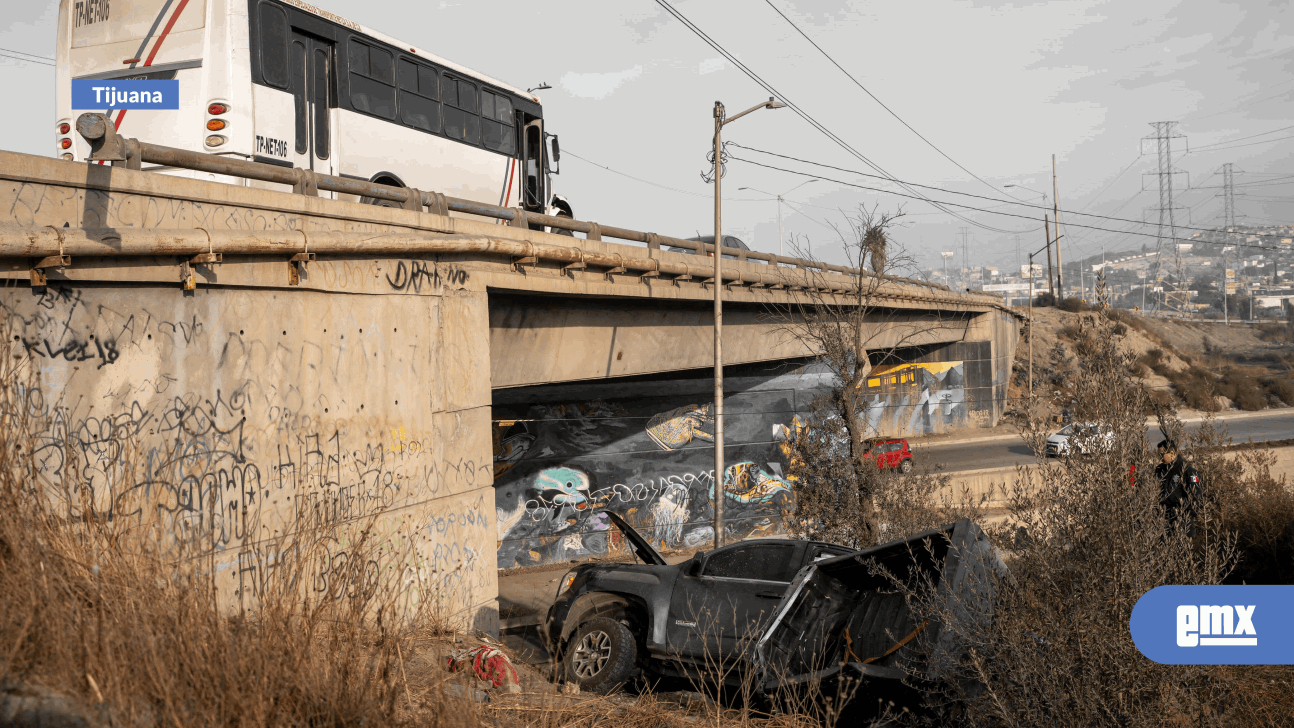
<point x="779" y="208"/>
<point x="719" y="494"/>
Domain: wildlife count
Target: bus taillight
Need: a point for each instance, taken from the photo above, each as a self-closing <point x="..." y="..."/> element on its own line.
<point x="216" y="125"/>
<point x="64" y="128"/>
<point x="215" y="140"/>
<point x="217" y="109"/>
<point x="66" y="143"/>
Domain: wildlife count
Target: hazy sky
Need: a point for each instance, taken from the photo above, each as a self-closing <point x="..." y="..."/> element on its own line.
<point x="999" y="87"/>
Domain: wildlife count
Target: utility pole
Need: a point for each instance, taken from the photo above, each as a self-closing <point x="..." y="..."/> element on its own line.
<point x="1055" y="202"/>
<point x="965" y="233"/>
<point x="1031" y="325"/>
<point x="1226" y="318"/>
<point x="1051" y="280"/>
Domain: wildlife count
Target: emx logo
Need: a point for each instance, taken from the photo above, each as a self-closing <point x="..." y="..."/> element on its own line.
<point x="1219" y="622"/>
<point x="1215" y="625"/>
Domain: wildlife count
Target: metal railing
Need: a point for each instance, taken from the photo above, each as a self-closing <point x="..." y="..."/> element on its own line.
<point x="107" y="146"/>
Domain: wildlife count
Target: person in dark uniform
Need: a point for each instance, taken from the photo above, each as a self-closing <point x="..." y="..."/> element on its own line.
<point x="1179" y="485"/>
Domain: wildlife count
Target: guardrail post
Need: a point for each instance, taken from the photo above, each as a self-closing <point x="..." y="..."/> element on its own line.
<point x="436" y="203"/>
<point x="594" y="233"/>
<point x="307" y="183"/>
<point x="519" y="219"/>
<point x="413" y="201"/>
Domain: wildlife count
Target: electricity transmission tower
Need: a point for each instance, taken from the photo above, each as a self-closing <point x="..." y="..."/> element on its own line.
<point x="1165" y="133"/>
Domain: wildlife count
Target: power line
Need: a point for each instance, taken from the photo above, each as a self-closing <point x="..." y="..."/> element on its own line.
<point x="654" y="184"/>
<point x="1032" y="205"/>
<point x="981" y="209"/>
<point x="1243" y="104"/>
<point x="26" y="60"/>
<point x="850" y="76"/>
<point x="32" y="55"/>
<point x="1237" y="146"/>
<point x="1241" y="139"/>
<point x="805" y="115"/>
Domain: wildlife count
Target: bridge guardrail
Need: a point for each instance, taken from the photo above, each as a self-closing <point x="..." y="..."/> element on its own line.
<point x="107" y="146"/>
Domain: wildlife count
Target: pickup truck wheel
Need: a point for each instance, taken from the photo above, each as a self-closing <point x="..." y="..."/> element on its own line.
<point x="602" y="655"/>
<point x="905" y="466"/>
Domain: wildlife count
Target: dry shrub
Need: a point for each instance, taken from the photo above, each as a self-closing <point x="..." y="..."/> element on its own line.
<point x="1155" y="360"/>
<point x="1281" y="388"/>
<point x="1252" y="505"/>
<point x="1198" y="388"/>
<point x="1084" y="541"/>
<point x="1243" y="389"/>
<point x="1075" y="305"/>
<point x="1276" y="333"/>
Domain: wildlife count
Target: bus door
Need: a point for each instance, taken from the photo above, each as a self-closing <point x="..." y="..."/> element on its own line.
<point x="312" y="60"/>
<point x="534" y="166"/>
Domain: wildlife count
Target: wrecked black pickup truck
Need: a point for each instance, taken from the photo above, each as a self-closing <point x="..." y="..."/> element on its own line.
<point x="776" y="611"/>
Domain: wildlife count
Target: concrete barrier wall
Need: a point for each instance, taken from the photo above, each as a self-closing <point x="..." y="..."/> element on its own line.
<point x="234" y="409"/>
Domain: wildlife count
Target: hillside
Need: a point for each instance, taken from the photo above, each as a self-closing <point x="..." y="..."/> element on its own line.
<point x="1200" y="366"/>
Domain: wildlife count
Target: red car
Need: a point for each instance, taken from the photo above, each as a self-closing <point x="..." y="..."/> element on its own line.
<point x="890" y="453"/>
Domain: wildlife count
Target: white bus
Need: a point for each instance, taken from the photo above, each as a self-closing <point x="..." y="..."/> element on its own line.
<point x="286" y="83"/>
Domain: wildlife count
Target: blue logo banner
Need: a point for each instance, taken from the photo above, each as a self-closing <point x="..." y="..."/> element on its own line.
<point x="123" y="94"/>
<point x="1215" y="625"/>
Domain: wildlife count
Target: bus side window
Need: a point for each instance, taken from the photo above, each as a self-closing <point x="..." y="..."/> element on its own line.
<point x="274" y="45"/>
<point x="461" y="121"/>
<point x="418" y="106"/>
<point x="496" y="123"/>
<point x="372" y="80"/>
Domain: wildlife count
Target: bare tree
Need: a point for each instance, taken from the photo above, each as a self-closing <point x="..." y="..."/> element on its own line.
<point x="852" y="328"/>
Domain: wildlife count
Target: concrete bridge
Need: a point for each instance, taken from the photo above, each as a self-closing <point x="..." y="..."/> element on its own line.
<point x="483" y="390"/>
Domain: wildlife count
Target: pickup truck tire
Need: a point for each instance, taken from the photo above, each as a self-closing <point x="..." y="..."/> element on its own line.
<point x="602" y="655"/>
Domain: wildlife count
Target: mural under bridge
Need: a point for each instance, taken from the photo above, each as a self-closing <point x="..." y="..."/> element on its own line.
<point x="916" y="399"/>
<point x="561" y="468"/>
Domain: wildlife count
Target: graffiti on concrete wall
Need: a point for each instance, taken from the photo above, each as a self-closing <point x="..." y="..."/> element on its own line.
<point x="231" y="429"/>
<point x="560" y="469"/>
<point x="916" y="399"/>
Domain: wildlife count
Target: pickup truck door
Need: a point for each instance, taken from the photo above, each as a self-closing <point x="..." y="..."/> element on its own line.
<point x="725" y="601"/>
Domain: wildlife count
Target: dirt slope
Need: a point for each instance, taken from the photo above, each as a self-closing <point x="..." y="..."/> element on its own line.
<point x="1199" y="366"/>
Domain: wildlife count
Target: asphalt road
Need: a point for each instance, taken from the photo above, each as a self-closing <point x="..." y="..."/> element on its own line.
<point x="956" y="456"/>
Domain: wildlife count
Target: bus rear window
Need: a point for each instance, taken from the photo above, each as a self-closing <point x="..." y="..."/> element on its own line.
<point x="274" y="45"/>
<point x="372" y="80"/>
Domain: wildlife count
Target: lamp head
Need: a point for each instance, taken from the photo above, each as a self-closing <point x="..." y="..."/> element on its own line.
<point x="774" y="104"/>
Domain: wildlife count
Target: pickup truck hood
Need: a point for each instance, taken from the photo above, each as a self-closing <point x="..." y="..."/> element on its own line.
<point x="840" y="613"/>
<point x="639" y="544"/>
